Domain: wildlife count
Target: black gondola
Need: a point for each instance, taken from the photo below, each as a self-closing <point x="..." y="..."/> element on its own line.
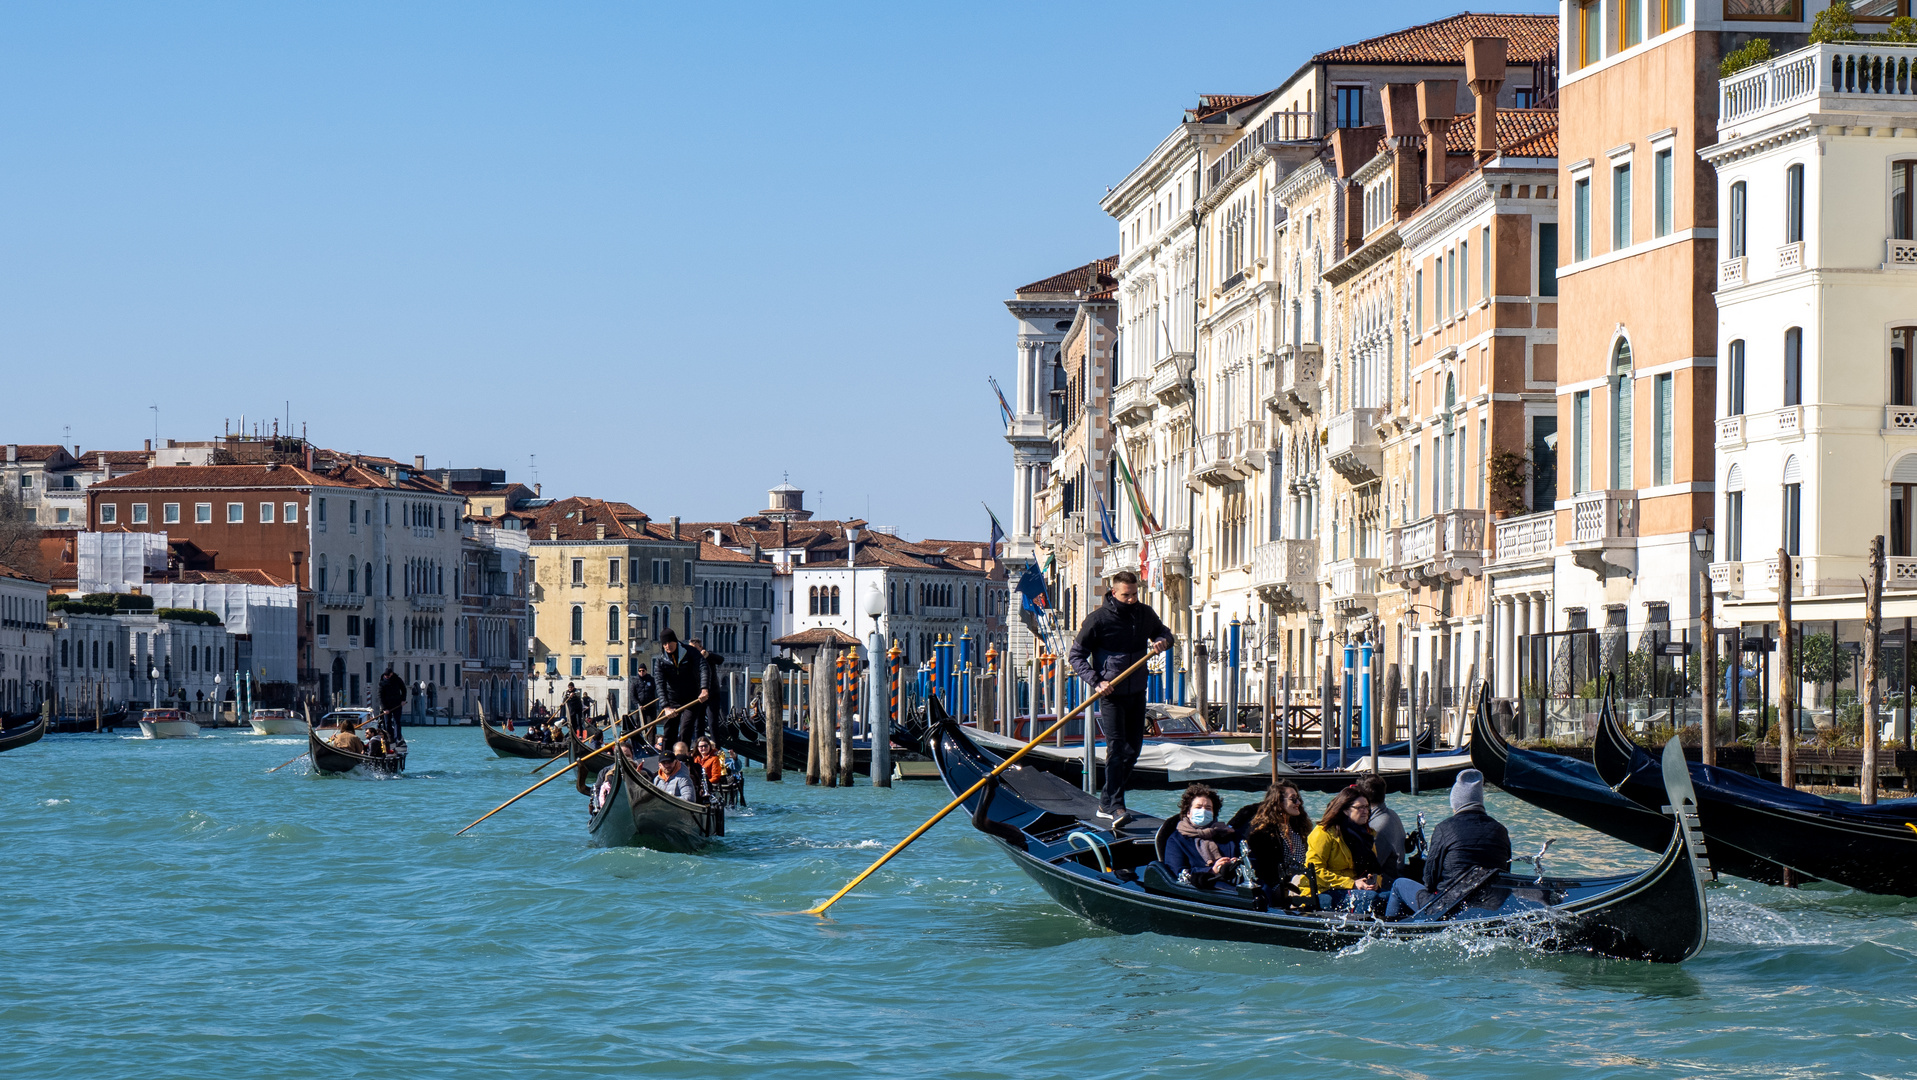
<point x="1116" y="881"/>
<point x="634" y="812"/>
<point x="506" y="744"/>
<point x="1573" y="789"/>
<point x="1869" y="848"/>
<point x="328" y="758"/>
<point x="746" y="738"/>
<point x="14" y="738"/>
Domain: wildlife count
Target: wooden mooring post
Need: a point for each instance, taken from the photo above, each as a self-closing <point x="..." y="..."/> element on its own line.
<point x="1786" y="675"/>
<point x="772" y="704"/>
<point x="1873" y="696"/>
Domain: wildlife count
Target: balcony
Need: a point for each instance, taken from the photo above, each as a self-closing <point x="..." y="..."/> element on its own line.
<point x="1790" y="257"/>
<point x="1900" y="418"/>
<point x="1900" y="573"/>
<point x="1730" y="272"/>
<point x="1900" y="254"/>
<point x="1171" y="549"/>
<point x="1248" y="447"/>
<point x="1132" y="403"/>
<point x="428" y="602"/>
<point x="1788" y="422"/>
<point x="1727" y="578"/>
<point x="1849" y="77"/>
<point x="1353" y="583"/>
<point x="1298" y="369"/>
<point x="1121" y="556"/>
<point x="1211" y="464"/>
<point x="1730" y="432"/>
<point x="1443" y="547"/>
<point x="1352" y="447"/>
<point x="1171" y="379"/>
<point x="1285" y="573"/>
<point x="1771" y="575"/>
<point x="1604" y="531"/>
<point x="342" y="601"/>
<point x="1528" y="537"/>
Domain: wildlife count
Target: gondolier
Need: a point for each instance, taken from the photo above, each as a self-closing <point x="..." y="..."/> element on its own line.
<point x="1111" y="640"/>
<point x="683" y="679"/>
<point x="392" y="691"/>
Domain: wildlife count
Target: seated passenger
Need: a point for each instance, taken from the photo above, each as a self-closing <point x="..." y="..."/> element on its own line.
<point x="1386" y="826"/>
<point x="346" y="739"/>
<point x="1468" y="839"/>
<point x="706" y="757"/>
<point x="1199" y="850"/>
<point x="1339" y="853"/>
<point x="1274" y="833"/>
<point x="672" y="778"/>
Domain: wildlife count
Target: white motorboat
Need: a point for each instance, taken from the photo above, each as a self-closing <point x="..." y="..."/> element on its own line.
<point x="167" y="724"/>
<point x="276" y="722"/>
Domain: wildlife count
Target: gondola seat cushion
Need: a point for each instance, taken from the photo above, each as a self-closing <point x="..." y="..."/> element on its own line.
<point x="1156" y="878"/>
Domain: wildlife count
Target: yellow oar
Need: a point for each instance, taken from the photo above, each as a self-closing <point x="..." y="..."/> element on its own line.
<point x="607" y="727"/>
<point x="561" y="773"/>
<point x="955" y="803"/>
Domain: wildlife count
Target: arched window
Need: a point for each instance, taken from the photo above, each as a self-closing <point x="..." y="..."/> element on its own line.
<point x="322" y="573"/>
<point x="687" y="623"/>
<point x="1794" y="366"/>
<point x="66" y="653"/>
<point x="1793" y="505"/>
<point x="578" y="623"/>
<point x="1794" y="204"/>
<point x="1739" y="220"/>
<point x="835" y="599"/>
<point x="1623" y="392"/>
<point x="1903" y="352"/>
<point x="812" y="600"/>
<point x="1448" y="447"/>
<point x="1733" y="525"/>
<point x="612" y="623"/>
<point x="891" y="598"/>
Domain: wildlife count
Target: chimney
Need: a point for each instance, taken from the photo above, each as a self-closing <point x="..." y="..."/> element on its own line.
<point x="419" y="462"/>
<point x="675" y="526"/>
<point x="13" y="452"/>
<point x="149" y="446"/>
<point x="599" y="531"/>
<point x="1437" y="105"/>
<point x="535" y="491"/>
<point x="552" y="532"/>
<point x="100" y="455"/>
<point x="1401" y="135"/>
<point x="1484" y="70"/>
<point x="1350" y="149"/>
<point x="758" y="553"/>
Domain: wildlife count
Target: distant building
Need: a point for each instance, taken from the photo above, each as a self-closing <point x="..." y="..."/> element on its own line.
<point x="25" y="641"/>
<point x="51" y="483"/>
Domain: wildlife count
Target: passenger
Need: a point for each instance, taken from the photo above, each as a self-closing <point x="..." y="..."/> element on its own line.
<point x="1386" y="826"/>
<point x="672" y="778"/>
<point x="1468" y="839"/>
<point x="1340" y="854"/>
<point x="1199" y="850"/>
<point x="1274" y="832"/>
<point x="346" y="739"/>
<point x="706" y="756"/>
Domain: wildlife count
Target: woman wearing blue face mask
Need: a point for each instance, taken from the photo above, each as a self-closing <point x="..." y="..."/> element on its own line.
<point x="1201" y="851"/>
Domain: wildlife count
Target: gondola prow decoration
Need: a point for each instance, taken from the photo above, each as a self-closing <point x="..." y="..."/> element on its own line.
<point x="563" y="772"/>
<point x="955" y="803"/>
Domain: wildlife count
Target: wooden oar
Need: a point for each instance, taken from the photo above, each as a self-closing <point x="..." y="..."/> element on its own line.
<point x="562" y="772"/>
<point x="289" y="761"/>
<point x="955" y="803"/>
<point x="542" y="765"/>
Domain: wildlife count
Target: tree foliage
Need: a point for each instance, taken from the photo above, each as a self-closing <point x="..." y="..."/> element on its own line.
<point x="1835" y="23"/>
<point x="1751" y="53"/>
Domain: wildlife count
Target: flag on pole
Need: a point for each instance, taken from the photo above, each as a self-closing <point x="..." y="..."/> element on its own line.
<point x="998" y="532"/>
<point x="1147" y="524"/>
<point x="1034" y="607"/>
<point x="1004" y="407"/>
<point x="1107" y="528"/>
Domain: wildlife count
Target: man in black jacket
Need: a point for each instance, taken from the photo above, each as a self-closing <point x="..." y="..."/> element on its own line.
<point x="1468" y="839"/>
<point x="683" y="680"/>
<point x="1112" y="639"/>
<point x="645" y="695"/>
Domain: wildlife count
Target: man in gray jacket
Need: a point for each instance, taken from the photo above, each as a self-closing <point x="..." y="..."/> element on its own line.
<point x="1112" y="639"/>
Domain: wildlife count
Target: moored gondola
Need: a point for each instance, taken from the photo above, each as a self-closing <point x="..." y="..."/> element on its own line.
<point x="629" y="810"/>
<point x="746" y="738"/>
<point x="15" y="737"/>
<point x="328" y="758"/>
<point x="1116" y="881"/>
<point x="506" y="744"/>
<point x="1869" y="848"/>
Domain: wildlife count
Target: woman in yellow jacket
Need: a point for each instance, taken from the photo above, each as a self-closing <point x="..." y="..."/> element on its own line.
<point x="1341" y="864"/>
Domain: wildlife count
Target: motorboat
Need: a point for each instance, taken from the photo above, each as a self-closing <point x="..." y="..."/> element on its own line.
<point x="276" y="722"/>
<point x="167" y="724"/>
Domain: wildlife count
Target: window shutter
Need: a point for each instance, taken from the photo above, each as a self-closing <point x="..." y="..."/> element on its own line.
<point x="1734" y="480"/>
<point x="1793" y="470"/>
<point x="1905" y="471"/>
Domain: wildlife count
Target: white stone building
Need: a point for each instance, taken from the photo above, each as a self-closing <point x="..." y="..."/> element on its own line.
<point x="26" y="653"/>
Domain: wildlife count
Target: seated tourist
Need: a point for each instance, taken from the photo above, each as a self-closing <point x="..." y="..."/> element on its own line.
<point x="706" y="757"/>
<point x="672" y="778"/>
<point x="1200" y="850"/>
<point x="1274" y="833"/>
<point x="347" y="737"/>
<point x="1468" y="839"/>
<point x="1387" y="829"/>
<point x="1342" y="867"/>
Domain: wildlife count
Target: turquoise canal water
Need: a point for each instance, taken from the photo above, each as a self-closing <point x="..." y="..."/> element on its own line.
<point x="172" y="910"/>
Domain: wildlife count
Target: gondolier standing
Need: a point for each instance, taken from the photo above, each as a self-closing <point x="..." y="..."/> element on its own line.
<point x="683" y="679"/>
<point x="1112" y="639"/>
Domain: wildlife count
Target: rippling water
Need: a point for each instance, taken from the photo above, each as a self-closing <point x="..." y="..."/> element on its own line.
<point x="173" y="910"/>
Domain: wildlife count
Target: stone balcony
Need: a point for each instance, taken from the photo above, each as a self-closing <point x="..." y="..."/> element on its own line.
<point x="1443" y="547"/>
<point x="1299" y="367"/>
<point x="342" y="601"/>
<point x="1224" y="457"/>
<point x="1285" y="573"/>
<point x="1170" y="382"/>
<point x="1604" y="531"/>
<point x="1132" y="402"/>
<point x="1866" y="76"/>
<point x="1352" y="446"/>
<point x="1171" y="549"/>
<point x="1352" y="583"/>
<point x="1900" y="419"/>
<point x="1730" y="432"/>
<point x="1120" y="556"/>
<point x="1531" y="536"/>
<point x="428" y="602"/>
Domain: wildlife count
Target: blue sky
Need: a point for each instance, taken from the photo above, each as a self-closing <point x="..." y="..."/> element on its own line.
<point x="672" y="253"/>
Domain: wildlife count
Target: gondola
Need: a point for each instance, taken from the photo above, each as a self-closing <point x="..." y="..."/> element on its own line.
<point x="746" y="738"/>
<point x="1171" y="764"/>
<point x="328" y="758"/>
<point x="14" y="738"/>
<point x="634" y="812"/>
<point x="506" y="744"/>
<point x="1872" y="848"/>
<point x="1572" y="789"/>
<point x="1116" y="880"/>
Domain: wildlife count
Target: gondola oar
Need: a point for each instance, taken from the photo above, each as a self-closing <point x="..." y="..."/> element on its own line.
<point x="562" y="772"/>
<point x="289" y="761"/>
<point x="955" y="803"/>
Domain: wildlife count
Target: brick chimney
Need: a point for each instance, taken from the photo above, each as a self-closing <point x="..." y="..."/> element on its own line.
<point x="1351" y="148"/>
<point x="1401" y="135"/>
<point x="1484" y="70"/>
<point x="1437" y="106"/>
<point x="675" y="526"/>
<point x="599" y="531"/>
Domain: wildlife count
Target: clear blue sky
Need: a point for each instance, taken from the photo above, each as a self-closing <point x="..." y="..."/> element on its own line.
<point x="675" y="252"/>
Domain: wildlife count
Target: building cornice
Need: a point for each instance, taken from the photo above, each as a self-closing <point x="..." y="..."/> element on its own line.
<point x="1364" y="258"/>
<point x="1452" y="207"/>
<point x="1768" y="139"/>
<point x="1301" y="180"/>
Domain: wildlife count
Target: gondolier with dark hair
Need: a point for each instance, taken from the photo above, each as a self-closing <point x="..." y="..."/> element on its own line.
<point x="684" y="679"/>
<point x="1112" y="639"/>
<point x="574" y="706"/>
<point x="392" y="696"/>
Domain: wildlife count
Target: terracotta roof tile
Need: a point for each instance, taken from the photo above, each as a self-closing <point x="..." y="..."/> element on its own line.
<point x="214" y="476"/>
<point x="1213" y="104"/>
<point x="1532" y="38"/>
<point x="38" y="451"/>
<point x="578" y="518"/>
<point x="9" y="572"/>
<point x="1094" y="276"/>
<point x="818" y="635"/>
<point x="1530" y="128"/>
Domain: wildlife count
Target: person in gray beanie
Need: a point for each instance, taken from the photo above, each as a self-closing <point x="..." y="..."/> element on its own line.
<point x="1468" y="839"/>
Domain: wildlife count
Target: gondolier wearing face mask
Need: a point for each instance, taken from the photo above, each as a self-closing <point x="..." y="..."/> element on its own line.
<point x="1111" y="640"/>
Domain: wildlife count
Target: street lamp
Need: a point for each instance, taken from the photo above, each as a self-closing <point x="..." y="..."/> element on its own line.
<point x="152" y="686"/>
<point x="1707" y="648"/>
<point x="216" y="695"/>
<point x="878" y="709"/>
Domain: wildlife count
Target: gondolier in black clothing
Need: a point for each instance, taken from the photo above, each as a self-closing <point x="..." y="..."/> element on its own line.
<point x="715" y="707"/>
<point x="392" y="696"/>
<point x="645" y="698"/>
<point x="683" y="679"/>
<point x="574" y="704"/>
<point x="1112" y="639"/>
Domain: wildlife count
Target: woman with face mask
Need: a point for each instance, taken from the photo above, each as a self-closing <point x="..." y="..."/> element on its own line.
<point x="1201" y="850"/>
